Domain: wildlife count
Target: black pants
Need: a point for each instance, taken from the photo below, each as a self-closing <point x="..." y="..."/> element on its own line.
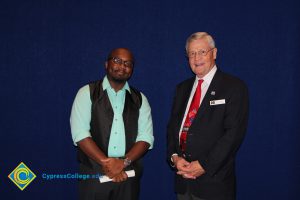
<point x="187" y="196"/>
<point x="92" y="189"/>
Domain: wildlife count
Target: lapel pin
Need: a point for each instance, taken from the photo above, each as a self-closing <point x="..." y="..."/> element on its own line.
<point x="213" y="93"/>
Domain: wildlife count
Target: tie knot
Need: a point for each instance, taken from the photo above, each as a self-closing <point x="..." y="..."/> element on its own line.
<point x="200" y="81"/>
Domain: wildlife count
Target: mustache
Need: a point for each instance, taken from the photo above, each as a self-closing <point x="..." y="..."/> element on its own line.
<point x="120" y="70"/>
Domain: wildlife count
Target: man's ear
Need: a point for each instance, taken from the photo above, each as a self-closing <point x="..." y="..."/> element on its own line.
<point x="215" y="53"/>
<point x="106" y="64"/>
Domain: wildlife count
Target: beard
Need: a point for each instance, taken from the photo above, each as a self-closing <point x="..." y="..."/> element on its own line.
<point x="117" y="78"/>
<point x="117" y="75"/>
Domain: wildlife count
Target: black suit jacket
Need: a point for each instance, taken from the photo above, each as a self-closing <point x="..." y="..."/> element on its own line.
<point x="214" y="137"/>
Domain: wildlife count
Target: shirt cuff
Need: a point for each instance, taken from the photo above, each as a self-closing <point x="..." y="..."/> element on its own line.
<point x="146" y="138"/>
<point x="172" y="162"/>
<point x="79" y="138"/>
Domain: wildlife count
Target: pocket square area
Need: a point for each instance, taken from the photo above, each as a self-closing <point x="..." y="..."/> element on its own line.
<point x="217" y="102"/>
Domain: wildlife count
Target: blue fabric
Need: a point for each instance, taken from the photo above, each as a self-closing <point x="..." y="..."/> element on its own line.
<point x="50" y="48"/>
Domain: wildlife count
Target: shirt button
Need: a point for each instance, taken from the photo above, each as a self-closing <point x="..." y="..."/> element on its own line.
<point x="116" y="132"/>
<point x="115" y="147"/>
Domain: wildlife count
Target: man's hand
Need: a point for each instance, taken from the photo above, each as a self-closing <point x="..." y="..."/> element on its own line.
<point x="187" y="169"/>
<point x="180" y="163"/>
<point x="112" y="166"/>
<point x="120" y="177"/>
<point x="195" y="169"/>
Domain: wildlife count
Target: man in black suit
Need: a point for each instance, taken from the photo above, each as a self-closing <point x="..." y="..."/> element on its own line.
<point x="207" y="125"/>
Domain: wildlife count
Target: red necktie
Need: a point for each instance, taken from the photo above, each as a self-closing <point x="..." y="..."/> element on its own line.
<point x="191" y="115"/>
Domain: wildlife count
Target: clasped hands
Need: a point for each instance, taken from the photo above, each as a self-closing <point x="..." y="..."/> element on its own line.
<point x="188" y="170"/>
<point x="114" y="169"/>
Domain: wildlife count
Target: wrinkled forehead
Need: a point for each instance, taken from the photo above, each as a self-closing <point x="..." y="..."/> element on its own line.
<point x="198" y="44"/>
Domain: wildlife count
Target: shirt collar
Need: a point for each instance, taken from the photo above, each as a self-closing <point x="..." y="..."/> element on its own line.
<point x="209" y="76"/>
<point x="106" y="85"/>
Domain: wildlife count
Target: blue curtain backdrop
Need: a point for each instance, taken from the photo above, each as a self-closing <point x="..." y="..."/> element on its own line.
<point x="49" y="49"/>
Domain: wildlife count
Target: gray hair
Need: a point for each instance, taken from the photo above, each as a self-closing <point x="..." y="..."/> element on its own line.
<point x="200" y="35"/>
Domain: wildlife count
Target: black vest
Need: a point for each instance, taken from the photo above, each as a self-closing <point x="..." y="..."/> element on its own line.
<point x="101" y="120"/>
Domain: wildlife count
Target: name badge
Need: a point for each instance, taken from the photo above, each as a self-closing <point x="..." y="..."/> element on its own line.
<point x="217" y="102"/>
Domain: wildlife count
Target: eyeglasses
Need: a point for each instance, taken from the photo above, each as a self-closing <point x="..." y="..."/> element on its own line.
<point x="201" y="52"/>
<point x="119" y="61"/>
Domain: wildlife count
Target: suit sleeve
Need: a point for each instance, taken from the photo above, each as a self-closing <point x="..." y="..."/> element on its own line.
<point x="171" y="130"/>
<point x="235" y="125"/>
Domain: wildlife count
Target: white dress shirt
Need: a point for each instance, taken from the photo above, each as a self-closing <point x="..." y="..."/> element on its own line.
<point x="204" y="87"/>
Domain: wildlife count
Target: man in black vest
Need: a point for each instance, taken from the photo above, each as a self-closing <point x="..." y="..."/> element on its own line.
<point x="207" y="125"/>
<point x="111" y="124"/>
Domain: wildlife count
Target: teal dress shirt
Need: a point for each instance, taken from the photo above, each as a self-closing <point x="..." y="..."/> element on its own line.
<point x="81" y="118"/>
